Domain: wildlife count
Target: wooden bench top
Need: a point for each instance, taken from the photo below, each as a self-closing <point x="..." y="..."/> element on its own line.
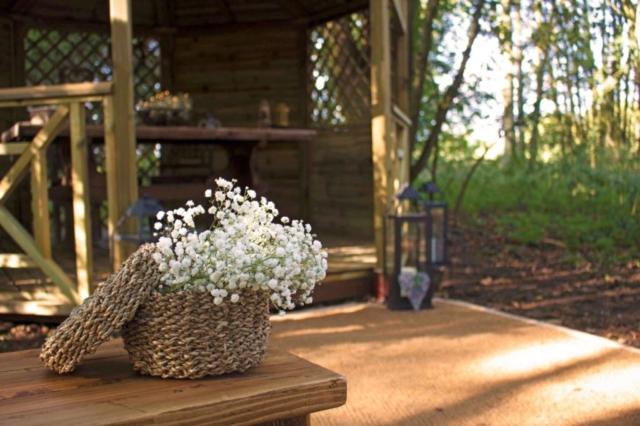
<point x="106" y="390"/>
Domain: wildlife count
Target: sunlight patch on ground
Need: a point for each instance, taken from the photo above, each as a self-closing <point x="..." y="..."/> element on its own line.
<point x="319" y="312"/>
<point x="308" y="331"/>
<point x="540" y="357"/>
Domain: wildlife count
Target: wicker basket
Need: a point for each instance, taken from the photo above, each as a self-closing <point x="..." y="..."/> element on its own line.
<point x="185" y="335"/>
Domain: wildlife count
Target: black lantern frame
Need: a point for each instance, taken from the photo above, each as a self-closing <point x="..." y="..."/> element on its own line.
<point x="423" y="230"/>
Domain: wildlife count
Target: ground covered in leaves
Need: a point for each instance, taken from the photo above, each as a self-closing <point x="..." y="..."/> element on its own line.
<point x="545" y="282"/>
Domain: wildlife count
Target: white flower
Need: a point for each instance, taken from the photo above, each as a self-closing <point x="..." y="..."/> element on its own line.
<point x="160" y="215"/>
<point x="190" y="203"/>
<point x="243" y="249"/>
<point x="207" y="193"/>
<point x="157" y="226"/>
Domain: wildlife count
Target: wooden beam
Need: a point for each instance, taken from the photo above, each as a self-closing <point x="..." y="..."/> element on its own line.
<point x="399" y="16"/>
<point x="402" y="10"/>
<point x="294" y="8"/>
<point x="14" y="148"/>
<point x="16" y="261"/>
<point x="113" y="197"/>
<point x="8" y="184"/>
<point x="58" y="92"/>
<point x="166" y="13"/>
<point x="401" y="117"/>
<point x="381" y="123"/>
<point x="49" y="267"/>
<point x="40" y="202"/>
<point x="52" y="101"/>
<point x="123" y="175"/>
<point x="81" y="206"/>
<point x="338" y="11"/>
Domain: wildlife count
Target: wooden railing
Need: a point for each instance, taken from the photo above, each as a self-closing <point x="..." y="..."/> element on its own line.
<point x="70" y="99"/>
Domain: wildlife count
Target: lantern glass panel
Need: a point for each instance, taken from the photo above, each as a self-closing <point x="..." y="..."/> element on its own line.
<point x="389" y="245"/>
<point x="413" y="247"/>
<point x="438" y="234"/>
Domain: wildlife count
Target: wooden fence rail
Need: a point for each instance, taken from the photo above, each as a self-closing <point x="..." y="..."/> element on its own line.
<point x="70" y="99"/>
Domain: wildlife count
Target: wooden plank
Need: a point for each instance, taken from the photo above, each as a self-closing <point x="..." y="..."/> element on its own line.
<point x="115" y="205"/>
<point x="15" y="148"/>
<point x="36" y="308"/>
<point x="49" y="267"/>
<point x="44" y="137"/>
<point x="400" y="116"/>
<point x="123" y="176"/>
<point x="381" y="124"/>
<point x="16" y="261"/>
<point x="81" y="207"/>
<point x="180" y="134"/>
<point x="106" y="390"/>
<point x="399" y="16"/>
<point x="40" y="202"/>
<point x="58" y="92"/>
<point x="52" y="101"/>
<point x="403" y="48"/>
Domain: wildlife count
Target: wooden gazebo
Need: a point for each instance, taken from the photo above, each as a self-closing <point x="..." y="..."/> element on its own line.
<point x="340" y="68"/>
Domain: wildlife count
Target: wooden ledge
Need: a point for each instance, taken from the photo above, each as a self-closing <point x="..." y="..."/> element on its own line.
<point x="106" y="390"/>
<point x="70" y="90"/>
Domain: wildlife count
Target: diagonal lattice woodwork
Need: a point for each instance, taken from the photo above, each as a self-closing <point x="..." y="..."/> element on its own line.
<point x="339" y="71"/>
<point x="55" y="57"/>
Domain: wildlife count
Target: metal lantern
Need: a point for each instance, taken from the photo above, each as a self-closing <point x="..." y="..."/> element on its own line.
<point x="414" y="248"/>
<point x="439" y="213"/>
<point x="145" y="210"/>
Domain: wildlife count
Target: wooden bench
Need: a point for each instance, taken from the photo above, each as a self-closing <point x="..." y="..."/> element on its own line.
<point x="105" y="390"/>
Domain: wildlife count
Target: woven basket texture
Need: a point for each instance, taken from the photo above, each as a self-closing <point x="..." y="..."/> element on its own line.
<point x="112" y="304"/>
<point x="185" y="335"/>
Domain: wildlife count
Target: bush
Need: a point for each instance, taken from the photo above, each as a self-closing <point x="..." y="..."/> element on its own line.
<point x="585" y="208"/>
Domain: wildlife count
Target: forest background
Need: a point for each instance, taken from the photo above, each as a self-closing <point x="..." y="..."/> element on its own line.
<point x="527" y="115"/>
<point x="550" y="90"/>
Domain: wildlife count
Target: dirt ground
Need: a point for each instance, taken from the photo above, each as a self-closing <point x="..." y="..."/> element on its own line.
<point x="543" y="282"/>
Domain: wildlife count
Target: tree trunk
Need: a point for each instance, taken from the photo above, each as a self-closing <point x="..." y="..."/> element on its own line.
<point x="419" y="71"/>
<point x="450" y="95"/>
<point x="517" y="63"/>
<point x="508" y="129"/>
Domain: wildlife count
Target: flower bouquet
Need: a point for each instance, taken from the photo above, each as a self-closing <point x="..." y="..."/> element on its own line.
<point x="197" y="302"/>
<point x="210" y="312"/>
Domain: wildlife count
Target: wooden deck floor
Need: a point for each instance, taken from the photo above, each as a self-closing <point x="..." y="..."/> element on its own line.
<point x="27" y="292"/>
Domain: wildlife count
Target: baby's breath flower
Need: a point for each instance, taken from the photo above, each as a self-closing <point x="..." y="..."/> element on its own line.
<point x="243" y="249"/>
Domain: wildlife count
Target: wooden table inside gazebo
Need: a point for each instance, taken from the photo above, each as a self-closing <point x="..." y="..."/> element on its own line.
<point x="240" y="142"/>
<point x="282" y="390"/>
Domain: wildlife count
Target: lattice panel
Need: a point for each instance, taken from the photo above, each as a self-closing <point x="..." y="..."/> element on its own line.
<point x="339" y="70"/>
<point x="55" y="57"/>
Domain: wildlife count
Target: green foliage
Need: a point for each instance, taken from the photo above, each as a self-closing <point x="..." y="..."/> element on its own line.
<point x="589" y="210"/>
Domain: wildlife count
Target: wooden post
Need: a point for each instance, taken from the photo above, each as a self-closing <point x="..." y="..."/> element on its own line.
<point x="81" y="206"/>
<point x="403" y="58"/>
<point x="403" y="47"/>
<point x="381" y="117"/>
<point x="122" y="175"/>
<point x="40" y="202"/>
